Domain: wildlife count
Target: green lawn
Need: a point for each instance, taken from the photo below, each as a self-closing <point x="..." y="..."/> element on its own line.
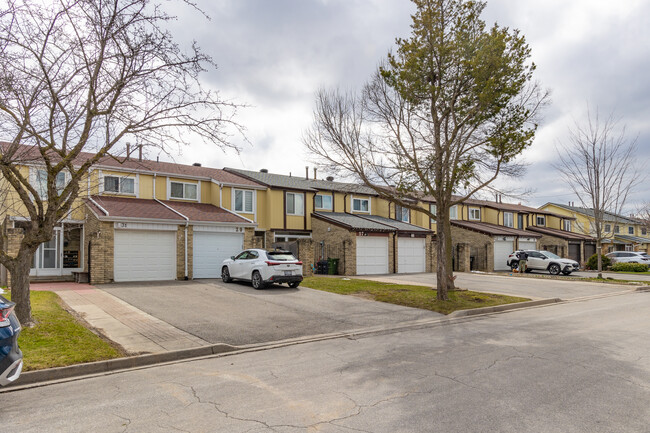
<point x="409" y="296"/>
<point x="59" y="339"/>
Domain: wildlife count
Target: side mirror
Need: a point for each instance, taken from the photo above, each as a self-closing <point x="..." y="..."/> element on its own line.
<point x="232" y="257"/>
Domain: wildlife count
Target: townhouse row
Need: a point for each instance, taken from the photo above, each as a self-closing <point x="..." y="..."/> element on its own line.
<point x="141" y="220"/>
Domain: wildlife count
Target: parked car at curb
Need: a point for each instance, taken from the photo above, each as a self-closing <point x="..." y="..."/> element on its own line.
<point x="11" y="358"/>
<point x="629" y="257"/>
<point x="262" y="267"/>
<point x="544" y="261"/>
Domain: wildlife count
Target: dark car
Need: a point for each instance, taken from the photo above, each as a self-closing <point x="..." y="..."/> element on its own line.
<point x="11" y="358"/>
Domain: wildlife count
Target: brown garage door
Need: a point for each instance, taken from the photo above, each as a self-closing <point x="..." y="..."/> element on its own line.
<point x="590" y="250"/>
<point x="574" y="252"/>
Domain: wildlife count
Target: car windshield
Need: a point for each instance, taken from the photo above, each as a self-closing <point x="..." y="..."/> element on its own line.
<point x="551" y="255"/>
<point x="281" y="256"/>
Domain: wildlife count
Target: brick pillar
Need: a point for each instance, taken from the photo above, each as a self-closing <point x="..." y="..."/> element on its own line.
<point x="463" y="257"/>
<point x="249" y="233"/>
<point x="306" y="253"/>
<point x="102" y="248"/>
<point x="14" y="238"/>
<point x="392" y="253"/>
<point x="350" y="248"/>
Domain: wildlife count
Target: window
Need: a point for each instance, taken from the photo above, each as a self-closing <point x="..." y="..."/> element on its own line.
<point x="361" y="205"/>
<point x="630" y="230"/>
<point x="617" y="229"/>
<point x="295" y="204"/>
<point x="323" y="202"/>
<point x="402" y="213"/>
<point x="187" y="191"/>
<point x="243" y="201"/>
<point x="567" y="225"/>
<point x="508" y="219"/>
<point x="608" y="228"/>
<point x="40" y="183"/>
<point x="541" y="220"/>
<point x="433" y="209"/>
<point x="453" y="212"/>
<point x="644" y="231"/>
<point x="119" y="185"/>
<point x="475" y="214"/>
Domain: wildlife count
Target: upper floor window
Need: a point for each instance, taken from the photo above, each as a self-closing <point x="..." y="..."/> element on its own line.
<point x="644" y="231"/>
<point x="608" y="228"/>
<point x="453" y="212"/>
<point x="323" y="202"/>
<point x="617" y="229"/>
<point x="402" y="213"/>
<point x="630" y="230"/>
<point x="567" y="225"/>
<point x="361" y="205"/>
<point x="243" y="201"/>
<point x="475" y="214"/>
<point x="508" y="219"/>
<point x="40" y="183"/>
<point x="295" y="204"/>
<point x="119" y="185"/>
<point x="187" y="191"/>
<point x="541" y="220"/>
<point x="433" y="209"/>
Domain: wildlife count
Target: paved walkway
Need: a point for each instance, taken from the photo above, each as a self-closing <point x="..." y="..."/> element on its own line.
<point x="131" y="328"/>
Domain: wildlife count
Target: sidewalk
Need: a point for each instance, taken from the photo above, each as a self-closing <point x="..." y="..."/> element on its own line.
<point x="136" y="331"/>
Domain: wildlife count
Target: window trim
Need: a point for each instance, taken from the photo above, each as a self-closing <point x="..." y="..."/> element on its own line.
<point x="608" y="228"/>
<point x="455" y="209"/>
<point x="169" y="190"/>
<point x="401" y="210"/>
<point x="253" y="200"/>
<point x="541" y="218"/>
<point x="630" y="230"/>
<point x="433" y="208"/>
<point x="617" y="229"/>
<point x="34" y="180"/>
<point x="567" y="223"/>
<point x="471" y="210"/>
<point x="330" y="196"/>
<point x="286" y="206"/>
<point x="353" y="198"/>
<point x="135" y="179"/>
<point x="511" y="219"/>
<point x="644" y="231"/>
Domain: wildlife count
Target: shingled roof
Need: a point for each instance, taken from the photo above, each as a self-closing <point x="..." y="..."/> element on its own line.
<point x="493" y="229"/>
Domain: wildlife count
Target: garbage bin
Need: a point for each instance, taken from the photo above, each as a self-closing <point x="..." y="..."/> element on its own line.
<point x="333" y="266"/>
<point x="322" y="267"/>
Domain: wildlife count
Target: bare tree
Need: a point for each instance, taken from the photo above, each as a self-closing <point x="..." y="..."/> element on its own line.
<point x="441" y="118"/>
<point x="80" y="76"/>
<point x="598" y="163"/>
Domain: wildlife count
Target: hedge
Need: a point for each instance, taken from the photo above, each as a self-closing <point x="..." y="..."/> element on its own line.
<point x="630" y="267"/>
<point x="592" y="263"/>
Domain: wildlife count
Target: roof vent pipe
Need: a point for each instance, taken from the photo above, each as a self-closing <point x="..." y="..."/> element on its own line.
<point x="140" y="152"/>
<point x="128" y="149"/>
<point x="264" y="170"/>
<point x="315" y="173"/>
<point x="306" y="172"/>
<point x="197" y="164"/>
<point x="330" y="178"/>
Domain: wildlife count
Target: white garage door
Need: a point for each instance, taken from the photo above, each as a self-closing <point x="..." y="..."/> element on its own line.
<point x="527" y="245"/>
<point x="210" y="249"/>
<point x="502" y="249"/>
<point x="372" y="255"/>
<point x="142" y="255"/>
<point x="411" y="255"/>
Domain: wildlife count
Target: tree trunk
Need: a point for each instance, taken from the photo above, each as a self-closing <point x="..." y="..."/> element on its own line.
<point x="20" y="288"/>
<point x="599" y="252"/>
<point x="445" y="272"/>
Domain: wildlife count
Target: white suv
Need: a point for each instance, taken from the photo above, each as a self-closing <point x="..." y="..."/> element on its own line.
<point x="629" y="257"/>
<point x="262" y="267"/>
<point x="544" y="261"/>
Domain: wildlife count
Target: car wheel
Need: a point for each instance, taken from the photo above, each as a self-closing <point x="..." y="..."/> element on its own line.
<point x="225" y="275"/>
<point x="554" y="269"/>
<point x="294" y="285"/>
<point x="256" y="281"/>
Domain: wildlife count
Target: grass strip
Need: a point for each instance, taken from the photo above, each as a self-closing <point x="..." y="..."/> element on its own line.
<point x="59" y="339"/>
<point x="409" y="296"/>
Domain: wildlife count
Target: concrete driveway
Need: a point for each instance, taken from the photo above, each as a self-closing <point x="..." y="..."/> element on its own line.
<point x="528" y="287"/>
<point x="237" y="314"/>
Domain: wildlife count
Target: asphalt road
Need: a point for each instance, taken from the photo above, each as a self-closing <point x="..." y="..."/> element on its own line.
<point x="574" y="367"/>
<point x="528" y="287"/>
<point x="237" y="314"/>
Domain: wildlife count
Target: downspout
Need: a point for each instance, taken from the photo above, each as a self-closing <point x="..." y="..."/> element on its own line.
<point x="187" y="223"/>
<point x="394" y="252"/>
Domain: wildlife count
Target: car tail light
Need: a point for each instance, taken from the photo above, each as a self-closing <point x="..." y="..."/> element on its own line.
<point x="282" y="263"/>
<point x="6" y="311"/>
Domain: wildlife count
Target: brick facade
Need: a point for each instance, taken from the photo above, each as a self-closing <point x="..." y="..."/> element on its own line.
<point x="477" y="249"/>
<point x="99" y="243"/>
<point x="555" y="245"/>
<point x="335" y="238"/>
<point x="13" y="238"/>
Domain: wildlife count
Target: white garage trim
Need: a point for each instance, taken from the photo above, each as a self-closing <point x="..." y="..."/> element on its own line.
<point x="144" y="255"/>
<point x="527" y="244"/>
<point x="503" y="247"/>
<point x="411" y="255"/>
<point x="127" y="225"/>
<point x="372" y="255"/>
<point x="212" y="248"/>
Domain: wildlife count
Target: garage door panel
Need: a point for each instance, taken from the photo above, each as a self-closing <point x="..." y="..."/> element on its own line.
<point x="502" y="249"/>
<point x="527" y="245"/>
<point x="372" y="255"/>
<point x="411" y="255"/>
<point x="141" y="255"/>
<point x="211" y="248"/>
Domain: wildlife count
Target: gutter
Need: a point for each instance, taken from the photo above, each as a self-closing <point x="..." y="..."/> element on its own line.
<point x="187" y="223"/>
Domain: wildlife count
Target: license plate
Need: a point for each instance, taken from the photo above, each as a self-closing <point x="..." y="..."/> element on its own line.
<point x="288" y="272"/>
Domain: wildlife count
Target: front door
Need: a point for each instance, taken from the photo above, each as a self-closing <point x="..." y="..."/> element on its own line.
<point x="47" y="259"/>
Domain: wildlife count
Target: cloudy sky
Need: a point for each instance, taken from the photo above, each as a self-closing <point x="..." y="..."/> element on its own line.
<point x="273" y="55"/>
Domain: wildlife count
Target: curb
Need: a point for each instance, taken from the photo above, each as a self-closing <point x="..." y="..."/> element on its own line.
<point x="642" y="289"/>
<point x="52" y="375"/>
<point x="506" y="307"/>
<point x="99" y="367"/>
